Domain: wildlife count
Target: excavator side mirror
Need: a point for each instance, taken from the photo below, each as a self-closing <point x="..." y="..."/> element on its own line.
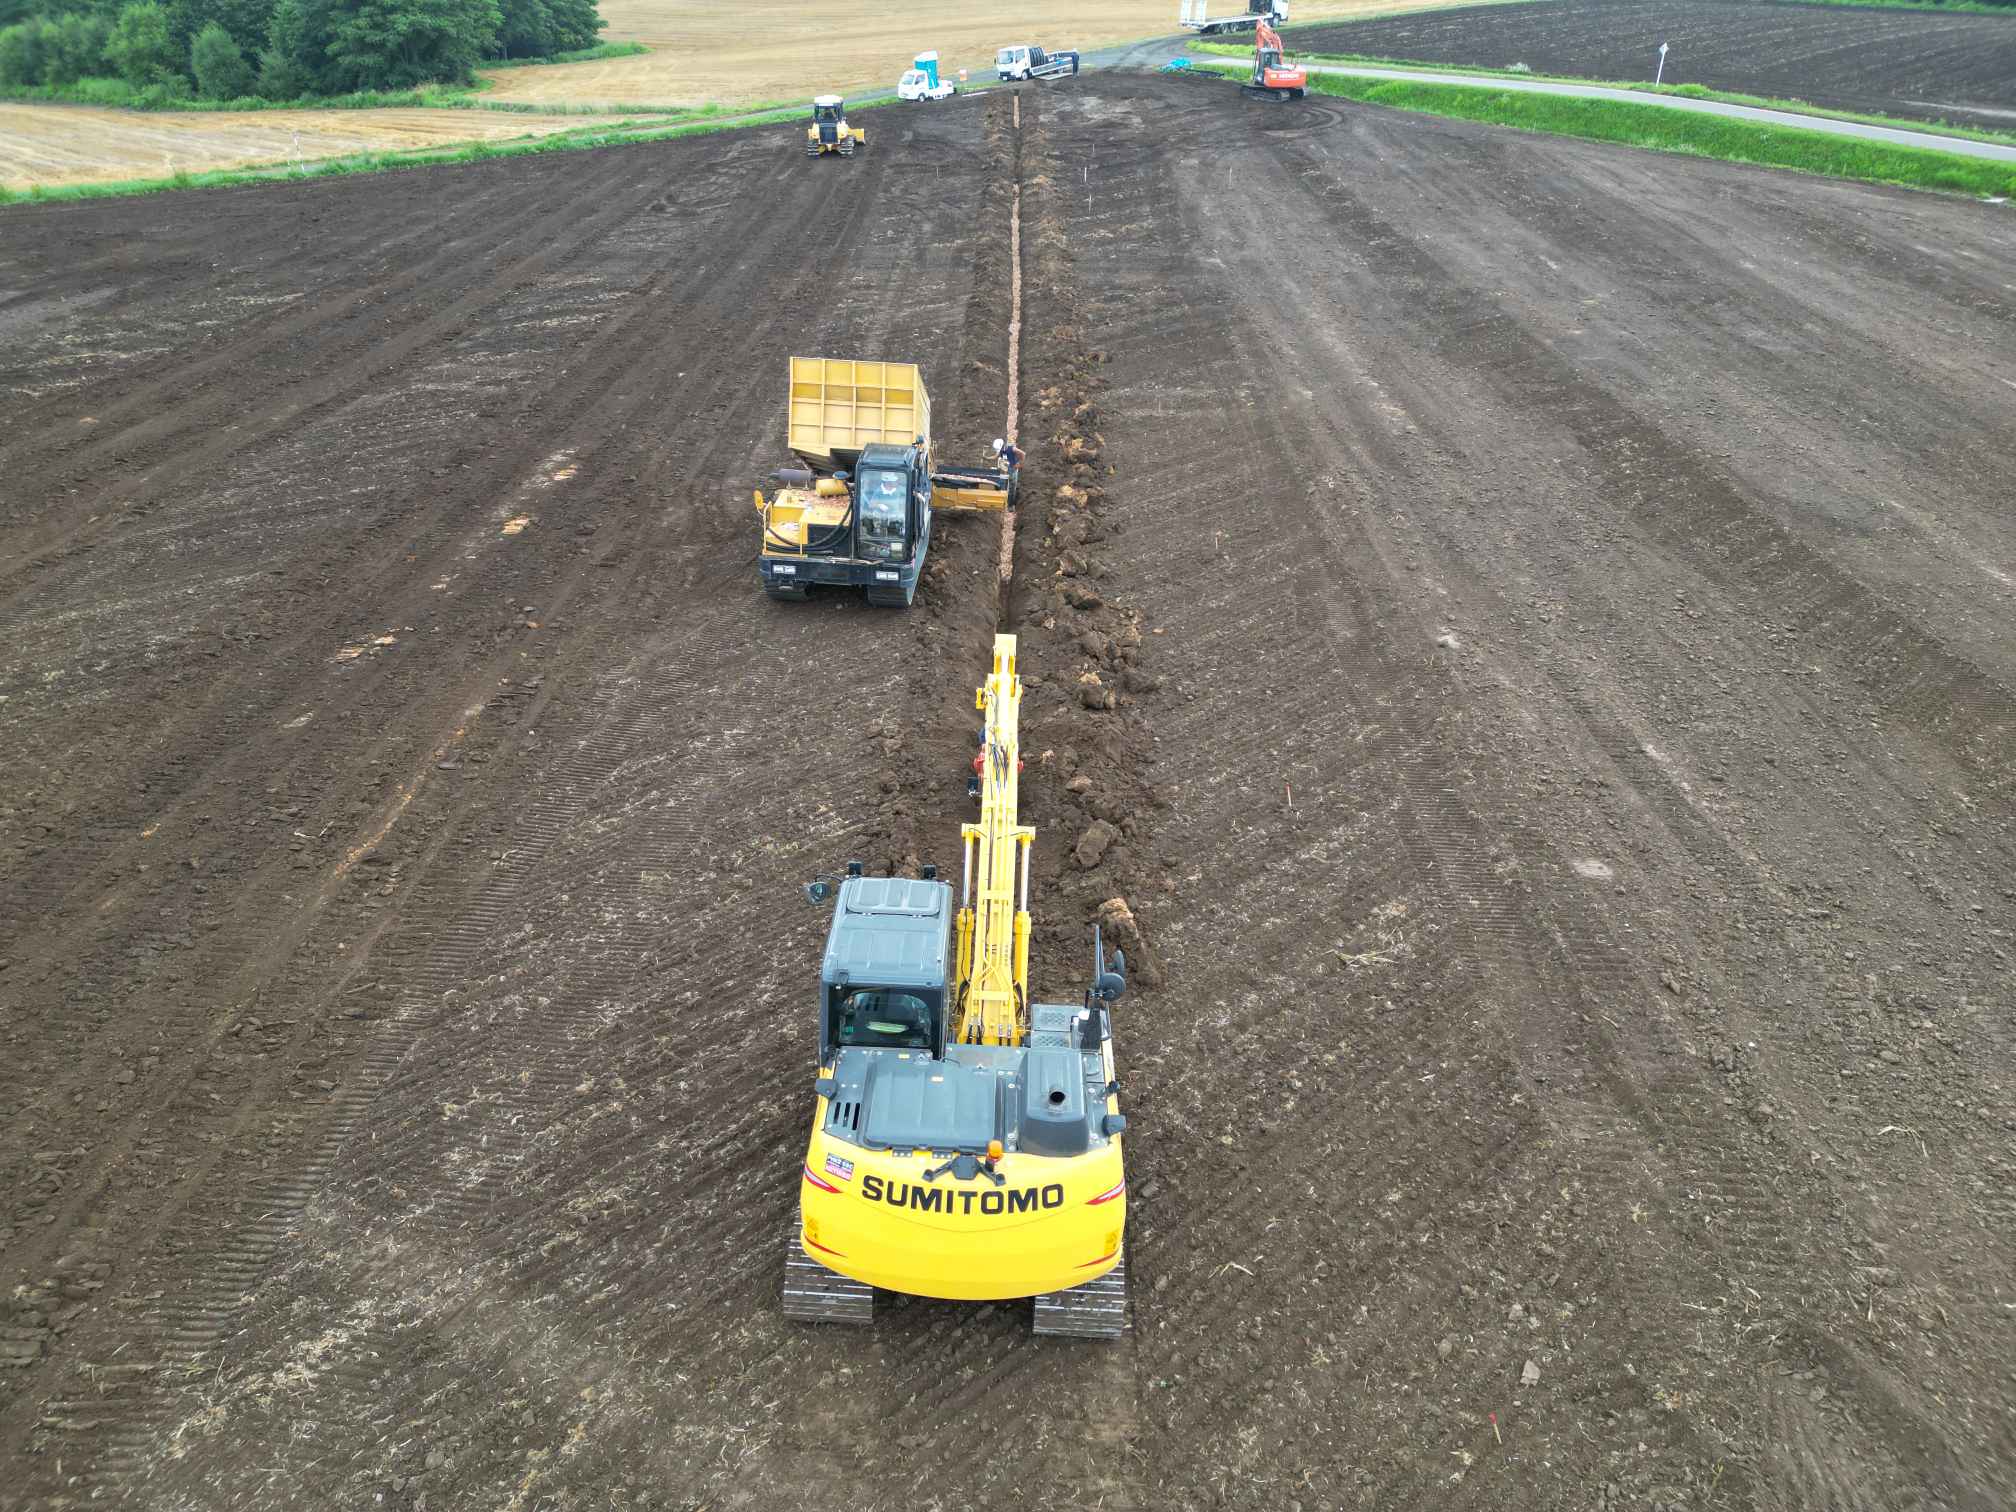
<point x="818" y="892"/>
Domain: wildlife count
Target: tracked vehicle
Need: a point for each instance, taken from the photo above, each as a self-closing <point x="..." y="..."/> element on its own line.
<point x="829" y="131"/>
<point x="857" y="511"/>
<point x="966" y="1142"/>
<point x="1274" y="77"/>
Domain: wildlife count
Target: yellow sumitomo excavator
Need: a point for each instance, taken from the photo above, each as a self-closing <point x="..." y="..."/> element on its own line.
<point x="857" y="512"/>
<point x="966" y="1142"/>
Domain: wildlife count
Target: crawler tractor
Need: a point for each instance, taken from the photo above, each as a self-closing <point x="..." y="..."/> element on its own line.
<point x="966" y="1141"/>
<point x="829" y="131"/>
<point x="857" y="511"/>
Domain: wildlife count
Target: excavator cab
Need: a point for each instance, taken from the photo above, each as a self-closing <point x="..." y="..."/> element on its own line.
<point x="891" y="496"/>
<point x="886" y="958"/>
<point x="883" y="1018"/>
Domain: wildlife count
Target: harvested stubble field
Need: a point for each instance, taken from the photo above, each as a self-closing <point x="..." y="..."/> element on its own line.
<point x="80" y="144"/>
<point x="1911" y="63"/>
<point x="1545" y="650"/>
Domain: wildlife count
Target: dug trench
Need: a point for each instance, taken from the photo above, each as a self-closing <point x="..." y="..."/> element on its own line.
<point x="1087" y="738"/>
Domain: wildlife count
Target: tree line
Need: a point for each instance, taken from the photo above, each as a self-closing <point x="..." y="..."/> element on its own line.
<point x="164" y="50"/>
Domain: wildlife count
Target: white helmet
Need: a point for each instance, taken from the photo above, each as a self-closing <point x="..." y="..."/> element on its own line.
<point x="999" y="444"/>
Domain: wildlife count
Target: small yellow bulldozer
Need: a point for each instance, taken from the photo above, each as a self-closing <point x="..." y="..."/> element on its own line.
<point x="829" y="131"/>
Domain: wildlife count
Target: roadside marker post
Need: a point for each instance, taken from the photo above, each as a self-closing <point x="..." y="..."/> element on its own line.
<point x="1661" y="74"/>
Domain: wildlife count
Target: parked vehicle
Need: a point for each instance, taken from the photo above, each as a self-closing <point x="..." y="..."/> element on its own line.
<point x="1195" y="15"/>
<point x="922" y="82"/>
<point x="1023" y="61"/>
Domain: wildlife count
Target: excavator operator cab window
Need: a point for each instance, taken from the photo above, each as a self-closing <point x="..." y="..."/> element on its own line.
<point x="883" y="1019"/>
<point x="884" y="503"/>
<point x="826" y="115"/>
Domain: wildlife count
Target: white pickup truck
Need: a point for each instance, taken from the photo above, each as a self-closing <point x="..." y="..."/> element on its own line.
<point x="1025" y="62"/>
<point x="921" y="81"/>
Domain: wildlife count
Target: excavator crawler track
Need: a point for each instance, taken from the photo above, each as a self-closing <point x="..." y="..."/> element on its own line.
<point x="1096" y="1310"/>
<point x="814" y="1294"/>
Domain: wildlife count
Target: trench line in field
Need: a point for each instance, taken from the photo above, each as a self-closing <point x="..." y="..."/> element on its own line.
<point x="1014" y="335"/>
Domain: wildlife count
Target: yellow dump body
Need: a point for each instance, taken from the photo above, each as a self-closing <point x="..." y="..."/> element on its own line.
<point x="837" y="403"/>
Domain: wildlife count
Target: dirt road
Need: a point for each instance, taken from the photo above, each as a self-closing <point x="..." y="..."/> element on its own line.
<point x="1534" y="617"/>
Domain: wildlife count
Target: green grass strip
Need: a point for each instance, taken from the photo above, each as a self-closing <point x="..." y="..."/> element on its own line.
<point x="1662" y="129"/>
<point x="1681" y="91"/>
<point x="618" y="134"/>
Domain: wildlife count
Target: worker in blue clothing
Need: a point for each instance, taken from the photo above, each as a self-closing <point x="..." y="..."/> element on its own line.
<point x="1011" y="462"/>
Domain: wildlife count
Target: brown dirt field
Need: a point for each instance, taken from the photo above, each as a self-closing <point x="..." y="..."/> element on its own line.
<point x="73" y="144"/>
<point x="779" y="50"/>
<point x="1557" y="625"/>
<point x="1912" y="63"/>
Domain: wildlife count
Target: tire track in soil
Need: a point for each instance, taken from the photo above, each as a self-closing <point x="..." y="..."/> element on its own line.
<point x="1679" y="1109"/>
<point x="758" y="391"/>
<point x="167" y="378"/>
<point x="590" y="385"/>
<point x="362" y="361"/>
<point x="1442" y="845"/>
<point x="1763" y="1245"/>
<point x="1645" y="1129"/>
<point x="585" y="389"/>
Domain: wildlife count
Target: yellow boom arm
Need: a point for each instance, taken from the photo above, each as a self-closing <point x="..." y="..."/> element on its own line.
<point x="993" y="940"/>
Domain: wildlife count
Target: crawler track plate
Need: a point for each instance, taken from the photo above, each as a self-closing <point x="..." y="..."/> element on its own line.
<point x="814" y="1294"/>
<point x="1096" y="1310"/>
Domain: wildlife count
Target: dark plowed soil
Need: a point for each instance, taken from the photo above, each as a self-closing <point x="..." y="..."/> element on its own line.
<point x="1916" y="64"/>
<point x="1519" y="643"/>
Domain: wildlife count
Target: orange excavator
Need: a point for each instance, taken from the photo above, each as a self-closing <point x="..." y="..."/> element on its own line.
<point x="1274" y="77"/>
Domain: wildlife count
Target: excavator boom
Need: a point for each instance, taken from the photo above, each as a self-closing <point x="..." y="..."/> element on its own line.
<point x="993" y="925"/>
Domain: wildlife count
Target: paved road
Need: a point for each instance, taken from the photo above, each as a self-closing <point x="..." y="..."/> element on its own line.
<point x="1963" y="146"/>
